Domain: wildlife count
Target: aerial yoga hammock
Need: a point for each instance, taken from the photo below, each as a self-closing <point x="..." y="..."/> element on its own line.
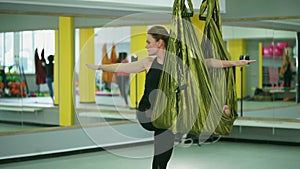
<point x="191" y="95"/>
<point x="108" y="77"/>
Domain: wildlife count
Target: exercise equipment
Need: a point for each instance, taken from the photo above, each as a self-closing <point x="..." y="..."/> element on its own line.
<point x="192" y="95"/>
<point x="15" y="85"/>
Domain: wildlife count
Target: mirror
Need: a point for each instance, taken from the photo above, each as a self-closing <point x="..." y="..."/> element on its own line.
<point x="266" y="41"/>
<point x="265" y="101"/>
<point x="23" y="90"/>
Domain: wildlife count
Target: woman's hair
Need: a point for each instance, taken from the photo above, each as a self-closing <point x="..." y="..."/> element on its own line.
<point x="50" y="58"/>
<point x="159" y="32"/>
<point x="286" y="56"/>
<point x="122" y="56"/>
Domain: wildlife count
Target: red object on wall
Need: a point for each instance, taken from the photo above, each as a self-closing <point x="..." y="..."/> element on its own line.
<point x="277" y="52"/>
<point x="267" y="51"/>
<point x="282" y="45"/>
<point x="274" y="51"/>
<point x="40" y="70"/>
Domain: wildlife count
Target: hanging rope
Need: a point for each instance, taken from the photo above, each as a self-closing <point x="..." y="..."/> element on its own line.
<point x="107" y="77"/>
<point x="213" y="30"/>
<point x="191" y="95"/>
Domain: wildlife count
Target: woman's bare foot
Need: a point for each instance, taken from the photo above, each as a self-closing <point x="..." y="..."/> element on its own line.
<point x="226" y="110"/>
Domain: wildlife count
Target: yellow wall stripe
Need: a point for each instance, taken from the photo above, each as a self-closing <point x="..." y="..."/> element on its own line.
<point x="237" y="47"/>
<point x="87" y="80"/>
<point x="260" y="66"/>
<point x="199" y="24"/>
<point x="137" y="47"/>
<point x="66" y="70"/>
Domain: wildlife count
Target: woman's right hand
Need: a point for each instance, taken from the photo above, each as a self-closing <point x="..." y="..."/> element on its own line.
<point x="94" y="67"/>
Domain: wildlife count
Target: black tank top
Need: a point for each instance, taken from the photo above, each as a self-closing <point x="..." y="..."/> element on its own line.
<point x="152" y="81"/>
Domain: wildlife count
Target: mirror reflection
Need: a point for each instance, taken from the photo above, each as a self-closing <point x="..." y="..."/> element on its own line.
<point x="261" y="90"/>
<point x="266" y="89"/>
<point x="277" y="92"/>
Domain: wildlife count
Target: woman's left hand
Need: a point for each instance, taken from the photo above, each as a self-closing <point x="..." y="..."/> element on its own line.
<point x="244" y="62"/>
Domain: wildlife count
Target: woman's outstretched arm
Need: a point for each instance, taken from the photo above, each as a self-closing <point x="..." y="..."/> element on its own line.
<point x="132" y="67"/>
<point x="216" y="63"/>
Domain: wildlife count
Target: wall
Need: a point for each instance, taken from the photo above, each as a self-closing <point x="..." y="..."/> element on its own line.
<point x="230" y="32"/>
<point x="18" y="22"/>
<point x="235" y="9"/>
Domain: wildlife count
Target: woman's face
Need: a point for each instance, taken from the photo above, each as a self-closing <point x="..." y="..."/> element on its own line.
<point x="152" y="45"/>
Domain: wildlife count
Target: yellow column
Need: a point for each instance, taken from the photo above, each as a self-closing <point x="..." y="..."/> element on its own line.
<point x="66" y="70"/>
<point x="56" y="79"/>
<point x="137" y="47"/>
<point x="86" y="78"/>
<point x="199" y="25"/>
<point x="237" y="47"/>
<point x="260" y="67"/>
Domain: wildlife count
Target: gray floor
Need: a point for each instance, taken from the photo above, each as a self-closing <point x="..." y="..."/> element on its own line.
<point x="269" y="109"/>
<point x="220" y="155"/>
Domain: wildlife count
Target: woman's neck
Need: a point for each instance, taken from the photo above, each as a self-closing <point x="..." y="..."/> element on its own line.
<point x="160" y="56"/>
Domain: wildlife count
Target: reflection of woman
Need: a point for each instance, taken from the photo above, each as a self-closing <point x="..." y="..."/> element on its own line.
<point x="49" y="75"/>
<point x="157" y="40"/>
<point x="286" y="70"/>
<point x="122" y="78"/>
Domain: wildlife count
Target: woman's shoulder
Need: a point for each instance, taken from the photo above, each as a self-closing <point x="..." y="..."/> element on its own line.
<point x="147" y="61"/>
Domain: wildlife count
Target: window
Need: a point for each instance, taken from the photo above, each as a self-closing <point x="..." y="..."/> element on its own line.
<point x="1" y="49"/>
<point x="9" y="49"/>
<point x="26" y="51"/>
<point x="28" y="42"/>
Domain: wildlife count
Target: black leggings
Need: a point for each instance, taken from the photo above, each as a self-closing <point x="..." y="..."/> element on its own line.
<point x="163" y="142"/>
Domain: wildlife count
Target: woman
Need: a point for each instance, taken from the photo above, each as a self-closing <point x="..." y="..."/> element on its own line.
<point x="123" y="78"/>
<point x="286" y="70"/>
<point x="156" y="44"/>
<point x="49" y="75"/>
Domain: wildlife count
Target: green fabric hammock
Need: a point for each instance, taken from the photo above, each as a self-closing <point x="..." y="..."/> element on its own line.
<point x="192" y="95"/>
